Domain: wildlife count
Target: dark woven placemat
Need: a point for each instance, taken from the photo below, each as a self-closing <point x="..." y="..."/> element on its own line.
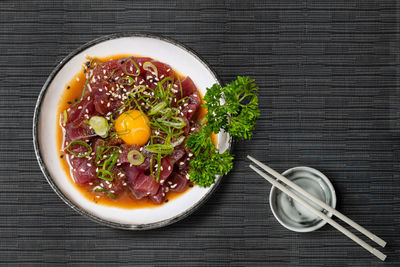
<point x="330" y="99"/>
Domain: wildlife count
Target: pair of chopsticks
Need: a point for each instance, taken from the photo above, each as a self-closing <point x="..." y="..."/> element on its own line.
<point x="322" y="204"/>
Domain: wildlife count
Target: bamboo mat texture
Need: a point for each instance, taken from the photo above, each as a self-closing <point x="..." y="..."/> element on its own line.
<point x="328" y="73"/>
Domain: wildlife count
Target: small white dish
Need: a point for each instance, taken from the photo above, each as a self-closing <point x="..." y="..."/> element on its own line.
<point x="293" y="215"/>
<point x="165" y="50"/>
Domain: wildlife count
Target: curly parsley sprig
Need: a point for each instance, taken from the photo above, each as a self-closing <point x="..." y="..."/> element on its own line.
<point x="234" y="109"/>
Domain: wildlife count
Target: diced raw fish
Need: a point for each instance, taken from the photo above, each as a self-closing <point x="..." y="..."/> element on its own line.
<point x="188" y="87"/>
<point x="177" y="182"/>
<point x="192" y="105"/>
<point x="83" y="170"/>
<point x="143" y="185"/>
<point x="176" y="155"/>
<point x="76" y="114"/>
<point x="77" y="133"/>
<point x="159" y="196"/>
<point x="166" y="170"/>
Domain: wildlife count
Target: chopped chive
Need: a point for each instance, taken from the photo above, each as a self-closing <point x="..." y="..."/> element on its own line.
<point x="80" y="143"/>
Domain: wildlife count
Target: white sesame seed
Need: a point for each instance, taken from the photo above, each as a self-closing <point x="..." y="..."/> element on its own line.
<point x="181" y="163"/>
<point x="190" y="155"/>
<point x="100" y="90"/>
<point x="77" y="79"/>
<point x="169" y="168"/>
<point x="110" y="185"/>
<point x="168" y="69"/>
<point x="108" y="104"/>
<point x="173" y="186"/>
<point x="104" y="71"/>
<point x="166" y="189"/>
<point x="80" y="107"/>
<point x="90" y="165"/>
<point x="101" y="101"/>
<point x="88" y="98"/>
<point x="190" y="111"/>
<point x="87" y="111"/>
<point x="81" y="170"/>
<point x="90" y="183"/>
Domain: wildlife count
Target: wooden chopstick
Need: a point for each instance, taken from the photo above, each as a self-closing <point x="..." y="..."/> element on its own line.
<point x="346" y="232"/>
<point x="320" y="203"/>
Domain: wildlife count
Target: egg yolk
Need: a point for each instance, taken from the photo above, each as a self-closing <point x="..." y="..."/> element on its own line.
<point x="133" y="128"/>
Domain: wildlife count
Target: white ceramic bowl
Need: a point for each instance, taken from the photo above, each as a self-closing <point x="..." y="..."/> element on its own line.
<point x="293" y="215"/>
<point x="165" y="50"/>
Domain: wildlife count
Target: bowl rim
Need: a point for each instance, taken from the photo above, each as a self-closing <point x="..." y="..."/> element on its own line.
<point x="321" y="222"/>
<point x="44" y="169"/>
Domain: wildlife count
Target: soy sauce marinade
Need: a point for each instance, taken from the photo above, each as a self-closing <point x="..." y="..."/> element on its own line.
<point x="123" y="125"/>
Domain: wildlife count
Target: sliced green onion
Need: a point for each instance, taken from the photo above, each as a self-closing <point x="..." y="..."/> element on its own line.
<point x="179" y="141"/>
<point x="182" y="100"/>
<point x="126" y="80"/>
<point x="157" y="108"/>
<point x="178" y="124"/>
<point x="160" y="148"/>
<point x="65" y="117"/>
<point x="99" y="125"/>
<point x="180" y="86"/>
<point x="83" y="93"/>
<point x="158" y="167"/>
<point x="79" y="143"/>
<point x="106" y="191"/>
<point x="105" y="175"/>
<point x="139" y="157"/>
<point x="150" y="67"/>
<point x="137" y="89"/>
<point x="136" y="66"/>
<point x="112" y="73"/>
<point x="111" y="161"/>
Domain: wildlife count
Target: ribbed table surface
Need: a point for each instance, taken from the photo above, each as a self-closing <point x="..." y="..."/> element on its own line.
<point x="328" y="73"/>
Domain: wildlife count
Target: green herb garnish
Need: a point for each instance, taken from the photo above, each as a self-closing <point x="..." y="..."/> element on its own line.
<point x="236" y="115"/>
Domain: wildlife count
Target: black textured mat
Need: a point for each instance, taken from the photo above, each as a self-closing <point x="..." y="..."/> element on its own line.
<point x="330" y="99"/>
